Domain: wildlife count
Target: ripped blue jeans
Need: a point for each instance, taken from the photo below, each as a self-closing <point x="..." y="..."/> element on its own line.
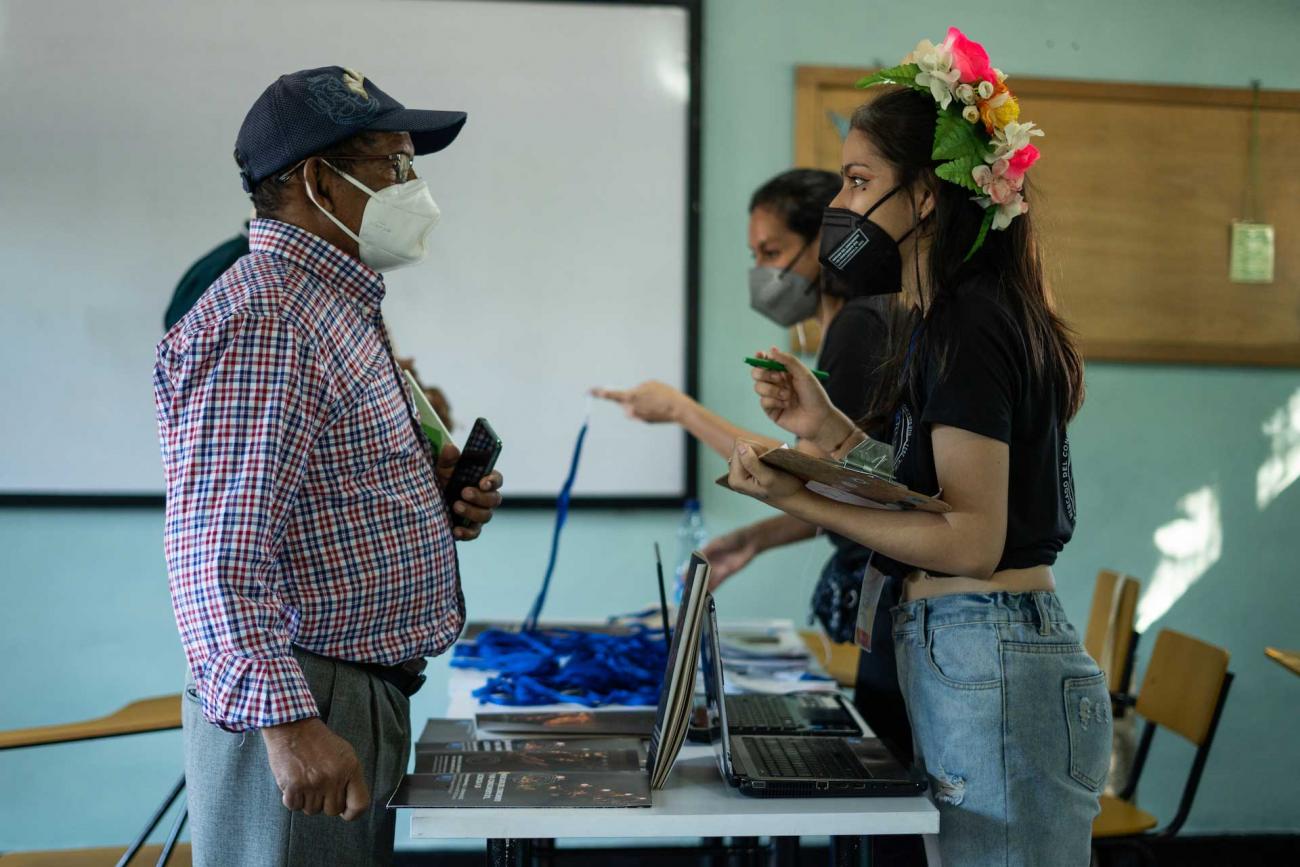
<point x="1011" y="722"/>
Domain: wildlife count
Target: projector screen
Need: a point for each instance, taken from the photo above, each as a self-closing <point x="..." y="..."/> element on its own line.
<point x="564" y="259"/>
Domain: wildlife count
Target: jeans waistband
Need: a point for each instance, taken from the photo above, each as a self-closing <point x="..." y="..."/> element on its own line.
<point x="1040" y="608"/>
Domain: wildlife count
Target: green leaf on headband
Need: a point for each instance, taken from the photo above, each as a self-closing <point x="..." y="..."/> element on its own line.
<point x="905" y="75"/>
<point x="984" y="230"/>
<point x="955" y="137"/>
<point x="959" y="171"/>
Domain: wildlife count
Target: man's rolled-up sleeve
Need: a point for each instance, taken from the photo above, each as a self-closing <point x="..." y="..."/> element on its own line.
<point x="239" y="409"/>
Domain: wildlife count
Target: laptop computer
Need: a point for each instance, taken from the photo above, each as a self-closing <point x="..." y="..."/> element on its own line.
<point x="784" y="766"/>
<point x="592" y="782"/>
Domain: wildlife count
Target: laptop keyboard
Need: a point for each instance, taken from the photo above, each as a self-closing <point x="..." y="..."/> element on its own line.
<point x="778" y="714"/>
<point x="818" y="758"/>
<point x="760" y="712"/>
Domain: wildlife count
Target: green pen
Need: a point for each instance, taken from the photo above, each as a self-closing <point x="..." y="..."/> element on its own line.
<point x="769" y="364"/>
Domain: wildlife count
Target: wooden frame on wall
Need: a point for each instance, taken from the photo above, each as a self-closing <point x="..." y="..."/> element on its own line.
<point x="1135" y="196"/>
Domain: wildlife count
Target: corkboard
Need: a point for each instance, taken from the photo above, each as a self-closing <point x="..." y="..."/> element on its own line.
<point x="1136" y="192"/>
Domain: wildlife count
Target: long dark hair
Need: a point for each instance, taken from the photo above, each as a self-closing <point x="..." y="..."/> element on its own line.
<point x="900" y="124"/>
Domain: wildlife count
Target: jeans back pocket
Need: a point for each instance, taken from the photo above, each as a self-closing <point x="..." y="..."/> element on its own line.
<point x="1087" y="714"/>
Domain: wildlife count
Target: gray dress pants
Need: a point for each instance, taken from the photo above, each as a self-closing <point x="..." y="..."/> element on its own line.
<point x="236" y="816"/>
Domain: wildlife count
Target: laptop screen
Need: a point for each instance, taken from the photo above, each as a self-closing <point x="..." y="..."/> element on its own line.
<point x="715" y="690"/>
<point x="672" y="716"/>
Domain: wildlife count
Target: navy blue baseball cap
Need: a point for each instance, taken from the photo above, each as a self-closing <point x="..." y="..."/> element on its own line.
<point x="304" y="112"/>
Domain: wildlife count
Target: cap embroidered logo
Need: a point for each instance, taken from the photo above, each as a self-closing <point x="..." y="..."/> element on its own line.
<point x="342" y="99"/>
<point x="355" y="82"/>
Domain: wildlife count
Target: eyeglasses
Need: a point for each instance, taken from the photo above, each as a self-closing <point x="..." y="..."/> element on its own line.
<point x="401" y="163"/>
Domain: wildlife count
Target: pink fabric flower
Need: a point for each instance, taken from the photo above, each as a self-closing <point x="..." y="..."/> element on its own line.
<point x="969" y="57"/>
<point x="1001" y="191"/>
<point x="997" y="182"/>
<point x="1020" y="161"/>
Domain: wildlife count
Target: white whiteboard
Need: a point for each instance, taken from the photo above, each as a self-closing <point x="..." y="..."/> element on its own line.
<point x="560" y="262"/>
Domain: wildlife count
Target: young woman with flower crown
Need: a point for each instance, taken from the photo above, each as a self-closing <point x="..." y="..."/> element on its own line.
<point x="1010" y="715"/>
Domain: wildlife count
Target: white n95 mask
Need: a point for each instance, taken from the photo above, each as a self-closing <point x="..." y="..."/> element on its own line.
<point x="395" y="224"/>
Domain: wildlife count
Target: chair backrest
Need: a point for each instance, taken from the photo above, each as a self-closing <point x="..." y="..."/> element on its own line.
<point x="1109" y="636"/>
<point x="1183" y="684"/>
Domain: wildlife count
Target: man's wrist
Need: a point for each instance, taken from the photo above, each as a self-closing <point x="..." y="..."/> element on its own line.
<point x="288" y="732"/>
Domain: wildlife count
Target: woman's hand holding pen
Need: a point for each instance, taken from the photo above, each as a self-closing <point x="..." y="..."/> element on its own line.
<point x="796" y="401"/>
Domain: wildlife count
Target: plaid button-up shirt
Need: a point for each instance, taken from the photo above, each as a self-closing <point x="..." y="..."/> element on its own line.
<point x="302" y="509"/>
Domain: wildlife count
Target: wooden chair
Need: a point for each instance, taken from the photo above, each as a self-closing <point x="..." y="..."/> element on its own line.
<point x="148" y="715"/>
<point x="1110" y="638"/>
<point x="1184" y="690"/>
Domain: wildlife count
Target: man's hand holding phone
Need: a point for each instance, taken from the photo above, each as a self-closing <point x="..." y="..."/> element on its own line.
<point x="473" y="504"/>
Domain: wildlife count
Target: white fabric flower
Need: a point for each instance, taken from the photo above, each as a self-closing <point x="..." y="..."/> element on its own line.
<point x="966" y="93"/>
<point x="1009" y="211"/>
<point x="1009" y="139"/>
<point x="936" y="72"/>
<point x="1005" y="212"/>
<point x="971" y="114"/>
<point x="922" y="48"/>
<point x="985" y="90"/>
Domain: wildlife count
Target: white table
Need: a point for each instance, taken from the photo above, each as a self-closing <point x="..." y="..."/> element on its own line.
<point x="695" y="802"/>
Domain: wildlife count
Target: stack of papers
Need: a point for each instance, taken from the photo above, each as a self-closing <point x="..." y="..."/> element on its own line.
<point x="769" y="659"/>
<point x="454" y="769"/>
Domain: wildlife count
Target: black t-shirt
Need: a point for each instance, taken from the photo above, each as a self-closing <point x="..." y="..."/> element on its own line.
<point x="987" y="387"/>
<point x="853" y="349"/>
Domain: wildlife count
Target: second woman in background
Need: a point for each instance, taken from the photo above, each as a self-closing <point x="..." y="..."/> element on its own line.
<point x="787" y="285"/>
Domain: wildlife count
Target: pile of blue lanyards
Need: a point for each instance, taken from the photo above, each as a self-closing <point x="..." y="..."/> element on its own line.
<point x="567" y="665"/>
<point x="553" y="666"/>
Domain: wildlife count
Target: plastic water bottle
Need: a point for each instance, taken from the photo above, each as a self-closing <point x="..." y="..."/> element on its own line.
<point x="691" y="537"/>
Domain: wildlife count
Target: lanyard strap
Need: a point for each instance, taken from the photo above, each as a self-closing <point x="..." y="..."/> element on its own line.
<point x="561" y="518"/>
<point x="536" y="667"/>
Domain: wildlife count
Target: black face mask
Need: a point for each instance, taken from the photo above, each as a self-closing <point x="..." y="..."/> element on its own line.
<point x="859" y="255"/>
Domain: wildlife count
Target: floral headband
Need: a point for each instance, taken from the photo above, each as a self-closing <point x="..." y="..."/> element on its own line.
<point x="978" y="135"/>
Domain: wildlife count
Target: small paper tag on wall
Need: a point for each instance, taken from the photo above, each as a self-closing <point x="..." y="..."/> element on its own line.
<point x="1251" y="259"/>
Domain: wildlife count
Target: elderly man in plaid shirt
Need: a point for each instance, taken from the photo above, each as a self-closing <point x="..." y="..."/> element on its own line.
<point x="310" y="554"/>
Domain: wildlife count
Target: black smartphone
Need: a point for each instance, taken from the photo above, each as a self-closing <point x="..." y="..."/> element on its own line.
<point x="477" y="459"/>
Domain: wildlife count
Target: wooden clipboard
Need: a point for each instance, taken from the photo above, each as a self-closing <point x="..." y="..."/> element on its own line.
<point x="838" y="482"/>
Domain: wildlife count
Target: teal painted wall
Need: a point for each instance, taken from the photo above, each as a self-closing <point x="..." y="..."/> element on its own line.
<point x="86" y="624"/>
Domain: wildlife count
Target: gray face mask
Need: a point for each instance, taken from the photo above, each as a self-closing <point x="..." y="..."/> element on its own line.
<point x="782" y="295"/>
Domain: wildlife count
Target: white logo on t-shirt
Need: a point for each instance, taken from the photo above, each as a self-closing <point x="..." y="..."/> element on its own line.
<point x="902" y="433"/>
<point x="1067" y="479"/>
